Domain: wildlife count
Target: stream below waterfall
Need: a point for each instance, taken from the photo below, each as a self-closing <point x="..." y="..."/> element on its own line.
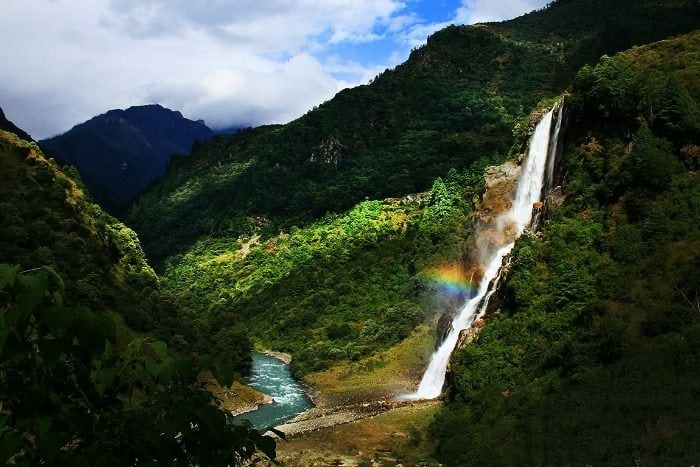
<point x="272" y="376"/>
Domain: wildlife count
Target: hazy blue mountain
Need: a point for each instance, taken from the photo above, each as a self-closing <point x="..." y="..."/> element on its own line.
<point x="120" y="152"/>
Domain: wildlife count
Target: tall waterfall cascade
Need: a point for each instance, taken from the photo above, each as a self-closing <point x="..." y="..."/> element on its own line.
<point x="535" y="181"/>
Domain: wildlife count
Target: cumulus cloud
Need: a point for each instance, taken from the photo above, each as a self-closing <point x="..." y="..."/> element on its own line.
<point x="268" y="27"/>
<point x="229" y="62"/>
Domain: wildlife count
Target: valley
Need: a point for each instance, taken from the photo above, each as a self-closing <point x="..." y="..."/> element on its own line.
<point x="487" y="255"/>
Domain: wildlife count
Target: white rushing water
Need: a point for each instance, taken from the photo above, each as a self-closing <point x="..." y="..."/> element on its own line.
<point x="552" y="156"/>
<point x="514" y="221"/>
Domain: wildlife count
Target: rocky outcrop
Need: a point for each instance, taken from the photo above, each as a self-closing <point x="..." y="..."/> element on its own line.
<point x="489" y="231"/>
<point x="418" y="198"/>
<point x="554" y="199"/>
<point x="237" y="399"/>
<point x="537" y="212"/>
<point x="444" y="325"/>
<point x="501" y="181"/>
<point x="330" y="151"/>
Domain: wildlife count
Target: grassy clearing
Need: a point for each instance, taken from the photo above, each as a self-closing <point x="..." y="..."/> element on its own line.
<point x="387" y="373"/>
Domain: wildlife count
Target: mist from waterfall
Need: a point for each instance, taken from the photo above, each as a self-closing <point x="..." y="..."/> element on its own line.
<point x="537" y="167"/>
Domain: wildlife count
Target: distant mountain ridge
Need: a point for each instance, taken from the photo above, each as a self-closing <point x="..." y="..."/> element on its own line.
<point x="455" y="100"/>
<point x="7" y="125"/>
<point x="120" y="152"/>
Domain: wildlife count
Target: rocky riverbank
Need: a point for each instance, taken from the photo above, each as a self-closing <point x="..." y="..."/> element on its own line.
<point x="357" y="418"/>
<point x="378" y="433"/>
<point x="237" y="399"/>
<point x="325" y="417"/>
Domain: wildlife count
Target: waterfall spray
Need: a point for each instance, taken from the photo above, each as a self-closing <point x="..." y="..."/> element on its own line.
<point x="537" y="171"/>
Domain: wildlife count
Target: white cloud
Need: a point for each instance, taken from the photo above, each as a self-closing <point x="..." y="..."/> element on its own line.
<point x="228" y="62"/>
<point x="482" y="11"/>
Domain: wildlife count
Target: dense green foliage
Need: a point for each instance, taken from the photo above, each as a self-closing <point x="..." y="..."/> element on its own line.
<point x="276" y="234"/>
<point x="69" y="396"/>
<point x="580" y="31"/>
<point x="48" y="221"/>
<point x="339" y="288"/>
<point x="454" y="101"/>
<point x="594" y="357"/>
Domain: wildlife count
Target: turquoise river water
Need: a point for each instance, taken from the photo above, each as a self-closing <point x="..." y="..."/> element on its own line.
<point x="272" y="377"/>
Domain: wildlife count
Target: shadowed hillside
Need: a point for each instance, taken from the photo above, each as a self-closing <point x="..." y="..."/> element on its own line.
<point x="7" y="125"/>
<point x="49" y="220"/>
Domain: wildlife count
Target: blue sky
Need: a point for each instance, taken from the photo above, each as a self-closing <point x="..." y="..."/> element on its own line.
<point x="389" y="48"/>
<point x="228" y="62"/>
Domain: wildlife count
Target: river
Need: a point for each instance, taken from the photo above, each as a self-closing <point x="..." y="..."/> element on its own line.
<point x="271" y="376"/>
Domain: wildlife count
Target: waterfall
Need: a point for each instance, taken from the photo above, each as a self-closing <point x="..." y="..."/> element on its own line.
<point x="553" y="155"/>
<point x="536" y="168"/>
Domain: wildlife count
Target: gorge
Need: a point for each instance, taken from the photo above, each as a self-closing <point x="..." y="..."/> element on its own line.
<point x="552" y="242"/>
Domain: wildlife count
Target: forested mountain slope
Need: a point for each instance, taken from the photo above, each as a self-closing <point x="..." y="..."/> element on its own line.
<point x="120" y="152"/>
<point x="49" y="220"/>
<point x="77" y="386"/>
<point x="593" y="358"/>
<point x="341" y="287"/>
<point x="455" y="100"/>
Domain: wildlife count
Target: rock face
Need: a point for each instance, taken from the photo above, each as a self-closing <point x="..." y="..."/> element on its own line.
<point x="330" y="151"/>
<point x="444" y="325"/>
<point x="500" y="184"/>
<point x="120" y="152"/>
<point x="555" y="199"/>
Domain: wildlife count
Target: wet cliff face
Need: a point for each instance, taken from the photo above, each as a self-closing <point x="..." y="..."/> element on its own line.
<point x="500" y="185"/>
<point x="488" y="233"/>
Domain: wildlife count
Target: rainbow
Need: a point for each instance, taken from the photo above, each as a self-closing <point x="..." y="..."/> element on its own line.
<point x="451" y="280"/>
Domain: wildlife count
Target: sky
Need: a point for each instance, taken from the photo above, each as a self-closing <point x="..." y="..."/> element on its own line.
<point x="227" y="62"/>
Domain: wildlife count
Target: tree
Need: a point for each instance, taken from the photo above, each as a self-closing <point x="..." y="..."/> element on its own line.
<point x="70" y="396"/>
<point x="651" y="163"/>
<point x="440" y="200"/>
